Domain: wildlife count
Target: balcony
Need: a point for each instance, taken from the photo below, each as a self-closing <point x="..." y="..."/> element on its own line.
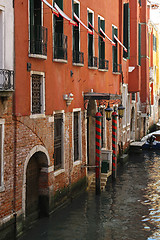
<point x="117" y="68"/>
<point x="6" y="82"/>
<point x="78" y="58"/>
<point x="38" y="40"/>
<point x="103" y="64"/>
<point x="60" y="47"/>
<point x="92" y="62"/>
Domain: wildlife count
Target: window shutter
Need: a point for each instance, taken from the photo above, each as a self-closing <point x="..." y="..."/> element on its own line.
<point x="126" y="30"/>
<point x="99" y="40"/>
<point x="139" y="44"/>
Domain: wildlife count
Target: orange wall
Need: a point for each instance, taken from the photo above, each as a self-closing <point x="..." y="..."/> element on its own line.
<point x="57" y="75"/>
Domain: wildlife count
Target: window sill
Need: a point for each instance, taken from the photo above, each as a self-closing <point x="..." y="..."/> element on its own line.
<point x="102" y="70"/>
<point x="38" y="116"/>
<point x="2" y="188"/>
<point x="93" y="68"/>
<point x="60" y="60"/>
<point x="78" y="64"/>
<point x="116" y="73"/>
<point x="77" y="162"/>
<point x="58" y="172"/>
<point x="43" y="57"/>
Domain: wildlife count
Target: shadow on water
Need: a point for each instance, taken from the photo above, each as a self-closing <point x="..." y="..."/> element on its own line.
<point x="128" y="209"/>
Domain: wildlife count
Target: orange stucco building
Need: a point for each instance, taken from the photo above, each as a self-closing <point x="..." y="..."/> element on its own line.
<point x="72" y="59"/>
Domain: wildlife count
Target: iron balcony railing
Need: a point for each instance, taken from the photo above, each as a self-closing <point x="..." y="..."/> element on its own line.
<point x="60" y="46"/>
<point x="117" y="68"/>
<point x="38" y="40"/>
<point x="92" y="61"/>
<point x="78" y="57"/>
<point x="6" y="80"/>
<point x="103" y="64"/>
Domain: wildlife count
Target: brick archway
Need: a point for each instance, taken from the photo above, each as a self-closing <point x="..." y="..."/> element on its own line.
<point x="35" y="198"/>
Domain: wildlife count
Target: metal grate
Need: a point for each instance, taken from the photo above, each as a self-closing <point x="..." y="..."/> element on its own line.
<point x="76" y="137"/>
<point x="38" y="40"/>
<point x="58" y="120"/>
<point x="92" y="61"/>
<point x="60" y="46"/>
<point x="103" y="64"/>
<point x="117" y="68"/>
<point x="78" y="57"/>
<point x="36" y="94"/>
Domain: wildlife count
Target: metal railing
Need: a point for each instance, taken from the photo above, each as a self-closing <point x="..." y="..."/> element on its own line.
<point x="92" y="61"/>
<point x="6" y="80"/>
<point x="117" y="68"/>
<point x="103" y="64"/>
<point x="78" y="57"/>
<point x="38" y="40"/>
<point x="60" y="46"/>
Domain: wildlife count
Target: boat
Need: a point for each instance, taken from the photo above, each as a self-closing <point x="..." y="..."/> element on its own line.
<point x="151" y="140"/>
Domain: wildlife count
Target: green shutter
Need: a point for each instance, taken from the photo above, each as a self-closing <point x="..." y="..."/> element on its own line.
<point x="59" y="3"/>
<point x="76" y="9"/>
<point x="114" y="49"/>
<point x="126" y="30"/>
<point x="99" y="40"/>
<point x="139" y="44"/>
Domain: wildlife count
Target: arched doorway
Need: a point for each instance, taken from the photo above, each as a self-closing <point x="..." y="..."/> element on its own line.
<point x="91" y="112"/>
<point x="35" y="188"/>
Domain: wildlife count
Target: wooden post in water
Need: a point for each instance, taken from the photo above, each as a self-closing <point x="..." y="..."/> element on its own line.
<point x="114" y="143"/>
<point x="98" y="153"/>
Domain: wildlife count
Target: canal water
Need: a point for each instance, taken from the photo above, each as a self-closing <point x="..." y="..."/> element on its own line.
<point x="128" y="209"/>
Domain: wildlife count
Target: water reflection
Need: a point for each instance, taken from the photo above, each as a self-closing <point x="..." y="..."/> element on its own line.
<point x="128" y="209"/>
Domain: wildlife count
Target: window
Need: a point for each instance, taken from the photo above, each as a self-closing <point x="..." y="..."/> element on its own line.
<point x="114" y="49"/>
<point x="77" y="135"/>
<point x="1" y="154"/>
<point x="154" y="43"/>
<point x="126" y="30"/>
<point x="58" y="141"/>
<point x="1" y="39"/>
<point x="92" y="61"/>
<point x="101" y="24"/>
<point x="38" y="33"/>
<point x="139" y="44"/>
<point x="78" y="57"/>
<point x="60" y="40"/>
<point x="38" y="93"/>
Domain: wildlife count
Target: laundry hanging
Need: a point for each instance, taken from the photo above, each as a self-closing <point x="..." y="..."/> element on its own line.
<point x="113" y="43"/>
<point x="51" y="7"/>
<point x="64" y="15"/>
<point x="77" y="18"/>
<point x="125" y="49"/>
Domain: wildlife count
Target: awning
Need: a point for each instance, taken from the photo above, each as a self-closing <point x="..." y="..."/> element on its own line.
<point x="96" y="31"/>
<point x="113" y="43"/>
<point x="125" y="49"/>
<point x="51" y="7"/>
<point x="64" y="15"/>
<point x="77" y="18"/>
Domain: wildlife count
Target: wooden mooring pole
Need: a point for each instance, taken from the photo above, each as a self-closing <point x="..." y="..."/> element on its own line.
<point x="98" y="153"/>
<point x="114" y="144"/>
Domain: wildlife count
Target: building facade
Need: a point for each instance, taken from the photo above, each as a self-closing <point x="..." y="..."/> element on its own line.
<point x="72" y="60"/>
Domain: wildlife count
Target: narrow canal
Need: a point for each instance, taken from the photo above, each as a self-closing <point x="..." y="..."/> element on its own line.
<point x="128" y="209"/>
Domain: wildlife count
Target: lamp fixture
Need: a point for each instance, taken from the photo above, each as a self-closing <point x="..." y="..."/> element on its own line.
<point x="108" y="111"/>
<point x="68" y="98"/>
<point x="121" y="111"/>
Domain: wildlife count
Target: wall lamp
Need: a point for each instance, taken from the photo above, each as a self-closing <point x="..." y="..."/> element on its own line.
<point x="68" y="98"/>
<point x="109" y="111"/>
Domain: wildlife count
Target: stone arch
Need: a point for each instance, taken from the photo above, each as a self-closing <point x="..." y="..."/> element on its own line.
<point x="37" y="157"/>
